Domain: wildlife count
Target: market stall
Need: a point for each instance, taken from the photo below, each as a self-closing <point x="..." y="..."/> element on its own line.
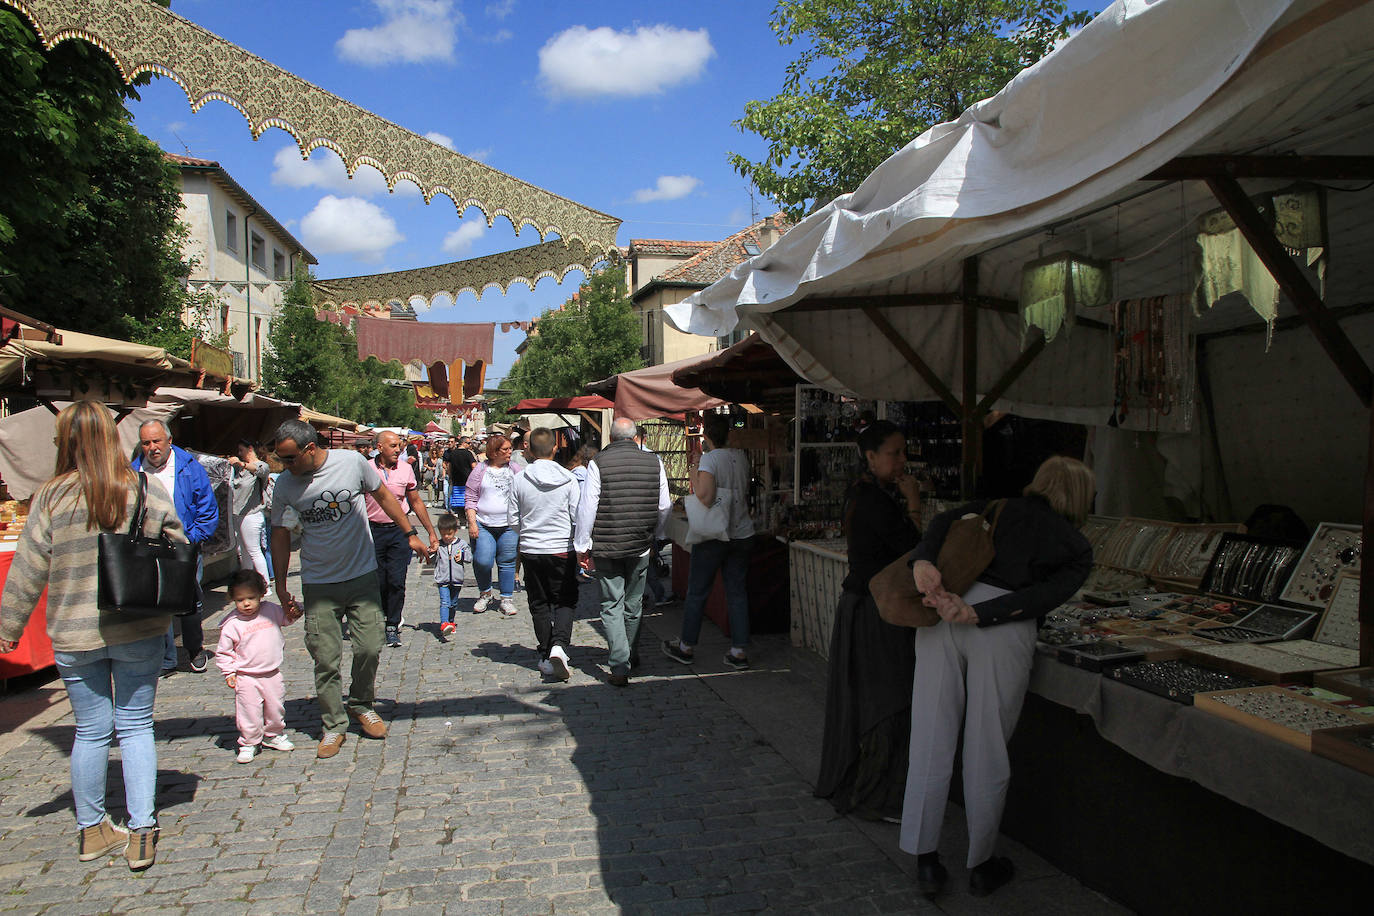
<point x="1080" y="248"/>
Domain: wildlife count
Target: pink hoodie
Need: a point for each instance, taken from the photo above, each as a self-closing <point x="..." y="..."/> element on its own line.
<point x="252" y="645"/>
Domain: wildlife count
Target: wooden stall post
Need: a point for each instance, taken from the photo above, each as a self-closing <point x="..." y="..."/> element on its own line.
<point x="968" y="408"/>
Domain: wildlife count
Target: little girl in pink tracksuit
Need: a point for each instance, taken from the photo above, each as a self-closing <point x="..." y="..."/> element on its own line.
<point x="250" y="656"/>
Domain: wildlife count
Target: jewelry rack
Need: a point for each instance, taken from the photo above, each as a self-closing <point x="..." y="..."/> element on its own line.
<point x="1278" y="713"/>
<point x="1188" y="552"/>
<point x="1135" y="544"/>
<point x="1250" y="568"/>
<point x="1334" y="549"/>
<point x="1097" y="529"/>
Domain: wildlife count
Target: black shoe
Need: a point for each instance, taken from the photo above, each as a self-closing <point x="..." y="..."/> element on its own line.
<point x="738" y="662"/>
<point x="988" y="877"/>
<point x="167" y="672"/>
<point x="673" y="649"/>
<point x="199" y="661"/>
<point x="393" y="637"/>
<point x="931" y="876"/>
<point x="619" y="680"/>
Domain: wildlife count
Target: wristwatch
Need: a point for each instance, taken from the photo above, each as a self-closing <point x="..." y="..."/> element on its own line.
<point x="412" y="533"/>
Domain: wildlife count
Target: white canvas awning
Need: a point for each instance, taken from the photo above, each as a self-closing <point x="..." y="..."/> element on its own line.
<point x="1059" y="160"/>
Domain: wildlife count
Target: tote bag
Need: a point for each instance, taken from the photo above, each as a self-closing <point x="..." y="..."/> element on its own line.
<point x="709" y="523"/>
<point x="139" y="576"/>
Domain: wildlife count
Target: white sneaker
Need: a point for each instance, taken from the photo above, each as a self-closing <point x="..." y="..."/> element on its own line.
<point x="246" y="753"/>
<point x="546" y="667"/>
<point x="279" y="743"/>
<point x="483" y="601"/>
<point x="558" y="659"/>
<point x="508" y="607"/>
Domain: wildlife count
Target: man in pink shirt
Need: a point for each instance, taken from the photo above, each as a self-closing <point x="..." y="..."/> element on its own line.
<point x="390" y="542"/>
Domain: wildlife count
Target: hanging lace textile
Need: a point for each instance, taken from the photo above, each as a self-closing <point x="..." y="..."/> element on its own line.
<point x="1228" y="264"/>
<point x="1154" y="368"/>
<point x="1054" y="288"/>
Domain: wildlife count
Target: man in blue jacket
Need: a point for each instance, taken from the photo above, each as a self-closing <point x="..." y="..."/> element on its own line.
<point x="183" y="477"/>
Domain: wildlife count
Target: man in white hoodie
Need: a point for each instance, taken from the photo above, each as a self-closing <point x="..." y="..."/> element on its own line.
<point x="543" y="508"/>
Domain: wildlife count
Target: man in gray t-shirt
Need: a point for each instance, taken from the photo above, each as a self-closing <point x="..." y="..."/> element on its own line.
<point x="325" y="488"/>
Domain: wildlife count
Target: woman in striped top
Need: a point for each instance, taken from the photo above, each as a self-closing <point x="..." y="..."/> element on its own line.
<point x="108" y="662"/>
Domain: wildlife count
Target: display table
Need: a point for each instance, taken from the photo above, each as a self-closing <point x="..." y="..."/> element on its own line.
<point x="34" y="652"/>
<point x="816" y="571"/>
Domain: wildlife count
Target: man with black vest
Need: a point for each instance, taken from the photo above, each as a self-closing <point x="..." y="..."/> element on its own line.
<point x="624" y="503"/>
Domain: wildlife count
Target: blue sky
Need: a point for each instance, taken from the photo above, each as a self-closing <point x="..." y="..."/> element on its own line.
<point x="624" y="107"/>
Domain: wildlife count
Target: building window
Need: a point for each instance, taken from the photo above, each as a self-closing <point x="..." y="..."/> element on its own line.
<point x="278" y="265"/>
<point x="231" y="230"/>
<point x="259" y="252"/>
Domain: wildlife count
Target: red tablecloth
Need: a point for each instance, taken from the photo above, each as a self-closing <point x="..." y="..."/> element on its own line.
<point x="34" y="651"/>
<point x="769" y="599"/>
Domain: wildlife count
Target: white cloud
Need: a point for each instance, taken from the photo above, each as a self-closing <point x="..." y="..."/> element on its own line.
<point x="324" y="169"/>
<point x="583" y="62"/>
<point x="500" y="9"/>
<point x="668" y="187"/>
<point x="412" y="31"/>
<point x="441" y="139"/>
<point x="499" y="37"/>
<point x="459" y="241"/>
<point x="479" y="154"/>
<point x="349" y="225"/>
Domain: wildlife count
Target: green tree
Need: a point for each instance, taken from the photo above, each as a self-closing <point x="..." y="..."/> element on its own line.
<point x="316" y="363"/>
<point x="90" y="235"/>
<point x="594" y="336"/>
<point x="874" y="75"/>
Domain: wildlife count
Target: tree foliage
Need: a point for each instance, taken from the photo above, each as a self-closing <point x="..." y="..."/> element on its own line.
<point x="594" y="336"/>
<point x="90" y="234"/>
<point x="316" y="363"/>
<point x="875" y="74"/>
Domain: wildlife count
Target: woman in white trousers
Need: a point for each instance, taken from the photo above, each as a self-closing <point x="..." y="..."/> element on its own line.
<point x="972" y="667"/>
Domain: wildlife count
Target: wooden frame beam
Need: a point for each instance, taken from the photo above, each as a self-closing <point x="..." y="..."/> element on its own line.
<point x="1013" y="372"/>
<point x="912" y="357"/>
<point x="1330" y="168"/>
<point x="972" y="427"/>
<point x="1295" y="285"/>
<point x="908" y="300"/>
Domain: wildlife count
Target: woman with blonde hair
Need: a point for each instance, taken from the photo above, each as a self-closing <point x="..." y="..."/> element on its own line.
<point x="972" y="667"/>
<point x="108" y="662"/>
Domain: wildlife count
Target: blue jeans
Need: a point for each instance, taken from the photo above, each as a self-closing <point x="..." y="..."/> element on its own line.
<point x="495" y="547"/>
<point x="112" y="690"/>
<point x="448" y="602"/>
<point x="732" y="559"/>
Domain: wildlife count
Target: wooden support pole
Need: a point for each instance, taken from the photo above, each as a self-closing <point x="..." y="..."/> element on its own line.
<point x="972" y="426"/>
<point x="1013" y="372"/>
<point x="912" y="357"/>
<point x="1329" y="168"/>
<point x="1367" y="565"/>
<point x="901" y="300"/>
<point x="1295" y="285"/>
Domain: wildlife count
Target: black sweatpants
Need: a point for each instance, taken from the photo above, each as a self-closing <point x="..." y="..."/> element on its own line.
<point x="393" y="559"/>
<point x="551" y="585"/>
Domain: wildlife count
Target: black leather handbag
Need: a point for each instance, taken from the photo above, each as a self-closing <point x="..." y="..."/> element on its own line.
<point x="139" y="576"/>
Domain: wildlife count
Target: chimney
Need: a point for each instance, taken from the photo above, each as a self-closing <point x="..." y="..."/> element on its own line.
<point x="768" y="231"/>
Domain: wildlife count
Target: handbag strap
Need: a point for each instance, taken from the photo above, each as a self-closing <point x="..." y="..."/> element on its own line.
<point x="140" y="513"/>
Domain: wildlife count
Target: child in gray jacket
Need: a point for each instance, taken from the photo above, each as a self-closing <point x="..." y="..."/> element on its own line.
<point x="449" y="558"/>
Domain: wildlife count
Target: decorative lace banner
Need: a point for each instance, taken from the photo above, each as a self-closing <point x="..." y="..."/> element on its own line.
<point x="523" y="265"/>
<point x="142" y="37"/>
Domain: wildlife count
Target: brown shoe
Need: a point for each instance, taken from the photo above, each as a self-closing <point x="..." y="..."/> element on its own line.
<point x="101" y="840"/>
<point x="619" y="680"/>
<point x="370" y="723"/>
<point x="329" y="745"/>
<point x="142" y="849"/>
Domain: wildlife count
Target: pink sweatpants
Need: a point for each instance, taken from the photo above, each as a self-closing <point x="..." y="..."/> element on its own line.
<point x="260" y="707"/>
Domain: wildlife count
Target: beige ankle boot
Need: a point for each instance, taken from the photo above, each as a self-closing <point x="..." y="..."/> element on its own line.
<point x="101" y="840"/>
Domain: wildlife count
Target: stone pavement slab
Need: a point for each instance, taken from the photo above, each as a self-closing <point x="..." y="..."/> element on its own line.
<point x="496" y="792"/>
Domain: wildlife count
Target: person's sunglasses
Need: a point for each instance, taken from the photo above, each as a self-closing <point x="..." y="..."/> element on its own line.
<point x="291" y="459"/>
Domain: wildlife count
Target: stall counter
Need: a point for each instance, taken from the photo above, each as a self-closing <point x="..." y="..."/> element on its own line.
<point x="34" y="652"/>
<point x="816" y="571"/>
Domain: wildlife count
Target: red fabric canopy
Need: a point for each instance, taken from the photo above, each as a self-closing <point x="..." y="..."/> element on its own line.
<point x="648" y="393"/>
<point x="428" y="341"/>
<point x="553" y="405"/>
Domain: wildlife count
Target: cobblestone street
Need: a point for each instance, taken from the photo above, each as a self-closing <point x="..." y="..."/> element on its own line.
<point x="495" y="793"/>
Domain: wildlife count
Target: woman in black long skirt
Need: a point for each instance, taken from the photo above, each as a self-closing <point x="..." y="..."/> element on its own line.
<point x="868" y="698"/>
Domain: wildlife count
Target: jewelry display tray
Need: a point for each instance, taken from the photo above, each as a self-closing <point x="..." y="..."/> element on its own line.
<point x="1352" y="746"/>
<point x="1271" y="621"/>
<point x="1212" y="585"/>
<point x="1312" y="582"/>
<point x="1259" y="662"/>
<point x="1154" y="677"/>
<point x="1134" y="545"/>
<point x="1096" y="656"/>
<point x="1356" y="683"/>
<point x="1214" y="704"/>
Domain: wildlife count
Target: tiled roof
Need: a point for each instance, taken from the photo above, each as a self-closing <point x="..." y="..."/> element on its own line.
<point x="668" y="247"/>
<point x="721" y="257"/>
<point x="188" y="160"/>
